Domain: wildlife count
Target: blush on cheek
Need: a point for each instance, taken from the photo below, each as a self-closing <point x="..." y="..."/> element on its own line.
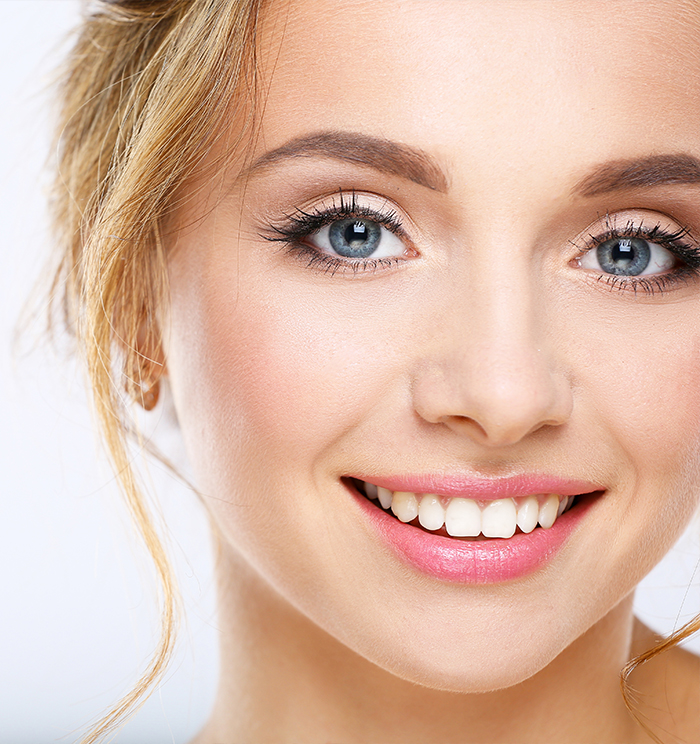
<point x="284" y="378"/>
<point x="298" y="382"/>
<point x="664" y="414"/>
<point x="649" y="394"/>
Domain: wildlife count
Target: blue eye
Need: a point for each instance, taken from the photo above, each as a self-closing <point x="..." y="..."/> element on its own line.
<point x="627" y="256"/>
<point x="357" y="238"/>
<point x="354" y="238"/>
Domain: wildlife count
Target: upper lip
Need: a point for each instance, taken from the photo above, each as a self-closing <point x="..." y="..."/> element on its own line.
<point x="469" y="485"/>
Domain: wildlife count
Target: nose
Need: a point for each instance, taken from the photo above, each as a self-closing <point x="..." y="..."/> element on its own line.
<point x="490" y="370"/>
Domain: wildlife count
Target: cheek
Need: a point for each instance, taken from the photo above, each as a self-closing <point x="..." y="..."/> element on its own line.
<point x="646" y="387"/>
<point x="267" y="375"/>
<point x="296" y="379"/>
<point x="641" y="380"/>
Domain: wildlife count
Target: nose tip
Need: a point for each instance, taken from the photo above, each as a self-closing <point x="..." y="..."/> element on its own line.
<point x="511" y="413"/>
<point x="495" y="405"/>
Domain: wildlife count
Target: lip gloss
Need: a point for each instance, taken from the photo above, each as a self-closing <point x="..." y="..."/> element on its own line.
<point x="484" y="561"/>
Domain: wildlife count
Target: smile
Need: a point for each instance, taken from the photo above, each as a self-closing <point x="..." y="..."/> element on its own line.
<point x="474" y="531"/>
<point x="469" y="518"/>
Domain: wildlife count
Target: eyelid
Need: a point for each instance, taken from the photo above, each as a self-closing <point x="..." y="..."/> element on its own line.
<point x="651" y="226"/>
<point x="352" y="203"/>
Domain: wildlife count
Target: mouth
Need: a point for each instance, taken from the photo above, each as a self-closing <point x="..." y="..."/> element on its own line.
<point x="509" y="529"/>
<point x="470" y="519"/>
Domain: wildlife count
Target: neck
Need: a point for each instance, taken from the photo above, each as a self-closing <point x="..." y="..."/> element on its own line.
<point x="285" y="679"/>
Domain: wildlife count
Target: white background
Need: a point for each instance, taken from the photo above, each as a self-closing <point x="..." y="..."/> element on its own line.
<point x="77" y="619"/>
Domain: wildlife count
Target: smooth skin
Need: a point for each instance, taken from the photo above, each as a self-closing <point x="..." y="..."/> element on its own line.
<point x="490" y="344"/>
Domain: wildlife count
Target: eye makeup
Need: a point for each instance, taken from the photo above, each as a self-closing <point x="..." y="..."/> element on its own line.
<point x="296" y="233"/>
<point x="672" y="247"/>
<point x="630" y="253"/>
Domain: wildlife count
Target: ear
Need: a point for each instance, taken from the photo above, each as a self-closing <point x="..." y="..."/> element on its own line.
<point x="148" y="364"/>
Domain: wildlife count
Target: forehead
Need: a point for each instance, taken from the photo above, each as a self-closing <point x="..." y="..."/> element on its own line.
<point x="490" y="82"/>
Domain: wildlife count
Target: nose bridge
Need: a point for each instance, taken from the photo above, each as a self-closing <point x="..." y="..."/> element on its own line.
<point x="500" y="347"/>
<point x="493" y="373"/>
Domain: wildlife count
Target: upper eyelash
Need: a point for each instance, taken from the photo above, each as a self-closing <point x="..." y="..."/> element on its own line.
<point x="674" y="241"/>
<point x="301" y="223"/>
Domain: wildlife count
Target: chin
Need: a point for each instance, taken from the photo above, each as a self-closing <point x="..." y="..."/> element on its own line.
<point x="468" y="672"/>
<point x="444" y="655"/>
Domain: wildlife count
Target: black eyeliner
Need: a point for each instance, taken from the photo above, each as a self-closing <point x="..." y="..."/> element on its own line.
<point x="678" y="242"/>
<point x="300" y="224"/>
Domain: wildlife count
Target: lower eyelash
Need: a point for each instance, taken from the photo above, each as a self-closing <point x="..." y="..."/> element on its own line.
<point x="332" y="265"/>
<point x="650" y="285"/>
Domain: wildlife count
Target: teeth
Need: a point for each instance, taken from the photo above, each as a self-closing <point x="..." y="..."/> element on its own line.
<point x="431" y="513"/>
<point x="548" y="511"/>
<point x="384" y="496"/>
<point x="498" y="518"/>
<point x="469" y="518"/>
<point x="463" y="518"/>
<point x="528" y="511"/>
<point x="562" y="506"/>
<point x="405" y="506"/>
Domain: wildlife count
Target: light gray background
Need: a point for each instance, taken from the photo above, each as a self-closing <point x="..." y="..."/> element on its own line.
<point x="77" y="618"/>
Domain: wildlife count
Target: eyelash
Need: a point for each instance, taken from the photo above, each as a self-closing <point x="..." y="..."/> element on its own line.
<point x="673" y="241"/>
<point x="301" y="224"/>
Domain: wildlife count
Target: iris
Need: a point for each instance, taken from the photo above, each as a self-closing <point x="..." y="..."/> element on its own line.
<point x="624" y="256"/>
<point x="354" y="238"/>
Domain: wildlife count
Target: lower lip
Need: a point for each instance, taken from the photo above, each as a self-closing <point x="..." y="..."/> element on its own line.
<point x="473" y="562"/>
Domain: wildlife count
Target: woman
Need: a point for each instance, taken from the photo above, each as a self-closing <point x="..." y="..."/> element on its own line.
<point x="423" y="280"/>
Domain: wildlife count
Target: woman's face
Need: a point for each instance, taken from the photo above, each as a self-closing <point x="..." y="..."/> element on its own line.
<point x="462" y="258"/>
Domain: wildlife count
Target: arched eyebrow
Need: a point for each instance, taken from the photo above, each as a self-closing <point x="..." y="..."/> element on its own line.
<point x="389" y="157"/>
<point x="655" y="170"/>
<point x="415" y="165"/>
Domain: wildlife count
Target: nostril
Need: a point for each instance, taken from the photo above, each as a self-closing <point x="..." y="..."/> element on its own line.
<point x="496" y="409"/>
<point x="495" y="434"/>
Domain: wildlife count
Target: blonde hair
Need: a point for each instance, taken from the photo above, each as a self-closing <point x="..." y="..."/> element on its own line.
<point x="145" y="90"/>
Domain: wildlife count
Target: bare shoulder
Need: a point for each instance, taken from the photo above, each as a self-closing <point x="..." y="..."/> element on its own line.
<point x="671" y="684"/>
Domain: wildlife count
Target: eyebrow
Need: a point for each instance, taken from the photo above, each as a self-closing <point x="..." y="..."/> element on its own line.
<point x="389" y="157"/>
<point x="655" y="170"/>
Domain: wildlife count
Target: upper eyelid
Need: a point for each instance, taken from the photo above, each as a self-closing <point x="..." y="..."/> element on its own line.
<point x="666" y="232"/>
<point x="323" y="211"/>
<point x="343" y="198"/>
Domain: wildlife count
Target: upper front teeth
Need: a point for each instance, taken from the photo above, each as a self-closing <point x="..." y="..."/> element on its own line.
<point x="466" y="518"/>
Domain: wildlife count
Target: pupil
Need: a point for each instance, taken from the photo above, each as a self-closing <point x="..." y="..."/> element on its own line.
<point x="623" y="253"/>
<point x="355" y="234"/>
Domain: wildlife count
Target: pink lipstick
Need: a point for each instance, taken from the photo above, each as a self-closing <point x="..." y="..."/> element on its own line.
<point x="482" y="560"/>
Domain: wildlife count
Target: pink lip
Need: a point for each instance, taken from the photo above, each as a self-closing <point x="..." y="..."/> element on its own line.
<point x="484" y="489"/>
<point x="481" y="561"/>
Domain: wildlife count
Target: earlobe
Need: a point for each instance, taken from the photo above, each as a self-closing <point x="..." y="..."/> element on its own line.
<point x="149" y="398"/>
<point x="148" y="366"/>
